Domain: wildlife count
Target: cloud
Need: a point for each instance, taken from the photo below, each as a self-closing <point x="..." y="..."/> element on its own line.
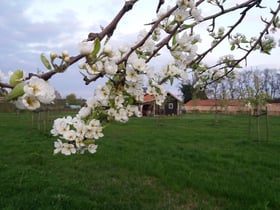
<point x="31" y="27"/>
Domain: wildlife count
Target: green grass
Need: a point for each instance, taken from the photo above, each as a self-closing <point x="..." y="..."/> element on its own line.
<point x="188" y="162"/>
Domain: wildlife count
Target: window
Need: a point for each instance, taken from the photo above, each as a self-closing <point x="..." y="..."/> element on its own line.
<point x="170" y="106"/>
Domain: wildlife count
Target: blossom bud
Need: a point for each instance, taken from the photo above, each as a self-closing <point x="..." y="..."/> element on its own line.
<point x="53" y="55"/>
<point x="67" y="59"/>
<point x="65" y="53"/>
<point x="82" y="65"/>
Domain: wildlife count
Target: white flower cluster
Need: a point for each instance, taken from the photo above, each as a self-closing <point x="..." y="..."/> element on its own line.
<point x="36" y="91"/>
<point x="133" y="71"/>
<point x="148" y="47"/>
<point x="158" y="91"/>
<point x="106" y="62"/>
<point x="78" y="136"/>
<point x="116" y="105"/>
<point x="185" y="49"/>
<point x="187" y="9"/>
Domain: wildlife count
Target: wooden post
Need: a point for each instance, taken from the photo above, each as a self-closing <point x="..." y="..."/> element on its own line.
<point x="32" y="119"/>
<point x="258" y="128"/>
<point x="39" y="120"/>
<point x="250" y="125"/>
<point x="45" y="121"/>
<point x="267" y="125"/>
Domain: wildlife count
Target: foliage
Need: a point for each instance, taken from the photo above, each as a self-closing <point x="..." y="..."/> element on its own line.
<point x="71" y="99"/>
<point x="190" y="92"/>
<point x="177" y="29"/>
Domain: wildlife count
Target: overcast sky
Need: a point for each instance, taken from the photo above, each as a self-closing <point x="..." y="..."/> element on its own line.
<point x="31" y="27"/>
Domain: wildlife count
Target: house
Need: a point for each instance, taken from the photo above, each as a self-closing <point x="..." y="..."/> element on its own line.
<point x="273" y="108"/>
<point x="226" y="106"/>
<point x="214" y="105"/>
<point x="171" y="106"/>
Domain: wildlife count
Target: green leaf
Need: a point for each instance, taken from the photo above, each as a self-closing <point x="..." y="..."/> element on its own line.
<point x="232" y="47"/>
<point x="244" y="41"/>
<point x="186" y="26"/>
<point x="89" y="141"/>
<point x="174" y="41"/>
<point x="96" y="47"/>
<point x="45" y="62"/>
<point x="171" y="79"/>
<point x="16" y="77"/>
<point x="130" y="100"/>
<point x="266" y="52"/>
<point x="16" y="92"/>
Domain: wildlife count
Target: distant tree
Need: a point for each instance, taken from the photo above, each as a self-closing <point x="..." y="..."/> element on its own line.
<point x="187" y="91"/>
<point x="241" y="84"/>
<point x="72" y="99"/>
<point x="190" y="92"/>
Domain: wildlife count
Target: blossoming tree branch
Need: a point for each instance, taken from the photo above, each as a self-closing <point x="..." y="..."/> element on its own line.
<point x="176" y="29"/>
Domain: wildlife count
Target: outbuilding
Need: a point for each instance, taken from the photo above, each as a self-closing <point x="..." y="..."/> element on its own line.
<point x="171" y="106"/>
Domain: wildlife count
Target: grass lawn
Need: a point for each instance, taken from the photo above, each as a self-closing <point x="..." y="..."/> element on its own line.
<point x="187" y="162"/>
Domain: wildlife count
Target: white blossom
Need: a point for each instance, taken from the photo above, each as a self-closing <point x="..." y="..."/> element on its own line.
<point x="95" y="68"/>
<point x="149" y="46"/>
<point x="121" y="115"/>
<point x="196" y="13"/>
<point x="58" y="145"/>
<point x="103" y="92"/>
<point x="30" y="102"/>
<point x="131" y="75"/>
<point x="60" y="126"/>
<point x="92" y="102"/>
<point x="119" y="101"/>
<point x="184" y="76"/>
<point x="79" y="143"/>
<point x="108" y="51"/>
<point x="181" y="15"/>
<point x="84" y="112"/>
<point x="94" y="123"/>
<point x="97" y="132"/>
<point x="92" y="148"/>
<point x="40" y="89"/>
<point x="110" y="68"/>
<point x="123" y="48"/>
<point x="68" y="149"/>
<point x="19" y="103"/>
<point x="69" y="135"/>
<point x="186" y="3"/>
<point x="85" y="48"/>
<point x="133" y="110"/>
<point x="111" y="112"/>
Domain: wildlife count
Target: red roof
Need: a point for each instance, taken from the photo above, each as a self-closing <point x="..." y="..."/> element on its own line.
<point x="148" y="98"/>
<point x="212" y="102"/>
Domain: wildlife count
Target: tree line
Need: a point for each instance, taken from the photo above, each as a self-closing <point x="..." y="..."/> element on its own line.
<point x="244" y="84"/>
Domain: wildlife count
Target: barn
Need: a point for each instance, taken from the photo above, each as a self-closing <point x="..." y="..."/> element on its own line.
<point x="171" y="106"/>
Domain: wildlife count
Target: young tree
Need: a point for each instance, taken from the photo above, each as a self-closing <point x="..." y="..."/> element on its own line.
<point x="176" y="28"/>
